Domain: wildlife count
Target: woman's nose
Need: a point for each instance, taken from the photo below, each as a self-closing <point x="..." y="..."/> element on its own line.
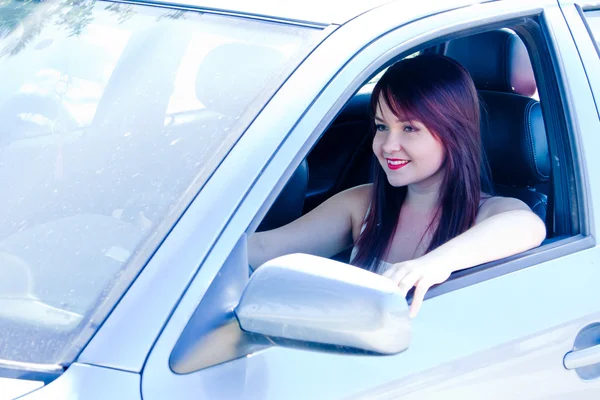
<point x="392" y="144"/>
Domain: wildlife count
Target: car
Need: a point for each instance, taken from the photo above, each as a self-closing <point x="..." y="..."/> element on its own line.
<point x="143" y="142"/>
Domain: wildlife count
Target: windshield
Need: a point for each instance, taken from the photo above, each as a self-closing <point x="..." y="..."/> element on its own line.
<point x="108" y="114"/>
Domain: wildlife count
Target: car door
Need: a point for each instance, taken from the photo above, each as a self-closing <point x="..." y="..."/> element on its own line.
<point x="499" y="331"/>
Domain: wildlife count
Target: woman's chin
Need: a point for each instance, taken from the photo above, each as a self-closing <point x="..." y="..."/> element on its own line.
<point x="396" y="181"/>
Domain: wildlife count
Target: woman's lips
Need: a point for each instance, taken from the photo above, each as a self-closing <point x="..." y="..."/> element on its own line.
<point x="396" y="163"/>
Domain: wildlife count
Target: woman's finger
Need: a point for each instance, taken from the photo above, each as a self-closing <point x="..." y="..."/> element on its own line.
<point x="389" y="273"/>
<point x="419" y="296"/>
<point x="408" y="282"/>
<point x="397" y="272"/>
<point x="400" y="275"/>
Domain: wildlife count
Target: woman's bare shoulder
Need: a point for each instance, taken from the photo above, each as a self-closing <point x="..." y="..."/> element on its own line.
<point x="360" y="193"/>
<point x="354" y="202"/>
<point x="358" y="199"/>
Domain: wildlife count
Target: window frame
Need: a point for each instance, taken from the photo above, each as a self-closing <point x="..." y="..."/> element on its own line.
<point x="585" y="53"/>
<point x="569" y="192"/>
<point x="574" y="14"/>
<point x="583" y="11"/>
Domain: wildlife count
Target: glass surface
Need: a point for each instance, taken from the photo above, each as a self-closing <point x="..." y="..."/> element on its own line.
<point x="109" y="114"/>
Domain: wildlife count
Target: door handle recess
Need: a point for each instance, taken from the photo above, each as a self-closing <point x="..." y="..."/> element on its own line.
<point x="582" y="358"/>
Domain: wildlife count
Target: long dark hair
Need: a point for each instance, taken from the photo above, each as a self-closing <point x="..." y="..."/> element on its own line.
<point x="440" y="93"/>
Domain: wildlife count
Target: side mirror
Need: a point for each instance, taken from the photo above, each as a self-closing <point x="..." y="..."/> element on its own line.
<point x="317" y="300"/>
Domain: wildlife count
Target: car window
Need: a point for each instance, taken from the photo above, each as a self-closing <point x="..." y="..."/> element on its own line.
<point x="109" y="114"/>
<point x="593" y="20"/>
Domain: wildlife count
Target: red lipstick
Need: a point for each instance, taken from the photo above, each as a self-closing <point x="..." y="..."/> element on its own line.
<point x="396" y="163"/>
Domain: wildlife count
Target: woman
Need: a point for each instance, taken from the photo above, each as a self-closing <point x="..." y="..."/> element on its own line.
<point x="426" y="215"/>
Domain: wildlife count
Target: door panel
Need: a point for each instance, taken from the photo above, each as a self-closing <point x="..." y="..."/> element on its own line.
<point x="531" y="362"/>
<point x="505" y="337"/>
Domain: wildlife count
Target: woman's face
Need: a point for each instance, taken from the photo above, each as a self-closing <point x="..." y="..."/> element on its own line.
<point x="407" y="151"/>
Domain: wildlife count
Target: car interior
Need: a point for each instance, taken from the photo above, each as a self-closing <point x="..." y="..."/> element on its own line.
<point x="512" y="128"/>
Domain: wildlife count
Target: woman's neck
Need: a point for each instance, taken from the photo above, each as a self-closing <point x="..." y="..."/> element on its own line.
<point x="421" y="201"/>
<point x="424" y="196"/>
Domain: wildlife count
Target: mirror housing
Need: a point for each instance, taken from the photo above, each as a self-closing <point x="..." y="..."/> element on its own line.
<point x="317" y="300"/>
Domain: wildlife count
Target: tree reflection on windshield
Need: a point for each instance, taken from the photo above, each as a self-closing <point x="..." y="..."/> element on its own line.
<point x="25" y="19"/>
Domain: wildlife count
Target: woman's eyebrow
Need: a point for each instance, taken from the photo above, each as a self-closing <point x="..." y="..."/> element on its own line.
<point x="397" y="120"/>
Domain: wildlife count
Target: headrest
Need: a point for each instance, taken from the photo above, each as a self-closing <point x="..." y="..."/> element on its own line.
<point x="514" y="139"/>
<point x="497" y="60"/>
<point x="232" y="74"/>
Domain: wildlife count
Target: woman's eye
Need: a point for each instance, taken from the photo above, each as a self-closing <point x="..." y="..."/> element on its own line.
<point x="380" y="127"/>
<point x="409" y="128"/>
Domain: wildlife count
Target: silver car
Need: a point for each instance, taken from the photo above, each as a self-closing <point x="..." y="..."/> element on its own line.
<point x="142" y="142"/>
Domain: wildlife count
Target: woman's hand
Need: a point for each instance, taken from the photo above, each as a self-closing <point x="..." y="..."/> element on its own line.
<point x="415" y="273"/>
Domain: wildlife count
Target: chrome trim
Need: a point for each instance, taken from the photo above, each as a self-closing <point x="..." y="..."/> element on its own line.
<point x="48" y="368"/>
<point x="582" y="358"/>
<point x="187" y="7"/>
<point x="589" y="4"/>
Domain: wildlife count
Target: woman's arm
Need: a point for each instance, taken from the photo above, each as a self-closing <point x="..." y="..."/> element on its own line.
<point x="325" y="231"/>
<point x="504" y="226"/>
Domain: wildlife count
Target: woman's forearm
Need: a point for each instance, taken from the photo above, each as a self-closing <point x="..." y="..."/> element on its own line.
<point x="499" y="236"/>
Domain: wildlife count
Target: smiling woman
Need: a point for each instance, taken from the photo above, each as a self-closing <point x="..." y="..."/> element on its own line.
<point x="429" y="211"/>
<point x="430" y="111"/>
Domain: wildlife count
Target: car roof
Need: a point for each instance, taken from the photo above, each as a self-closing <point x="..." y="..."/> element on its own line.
<point x="319" y="12"/>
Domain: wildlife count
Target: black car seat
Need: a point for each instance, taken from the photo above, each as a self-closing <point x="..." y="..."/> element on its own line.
<point x="513" y="132"/>
<point x="290" y="202"/>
